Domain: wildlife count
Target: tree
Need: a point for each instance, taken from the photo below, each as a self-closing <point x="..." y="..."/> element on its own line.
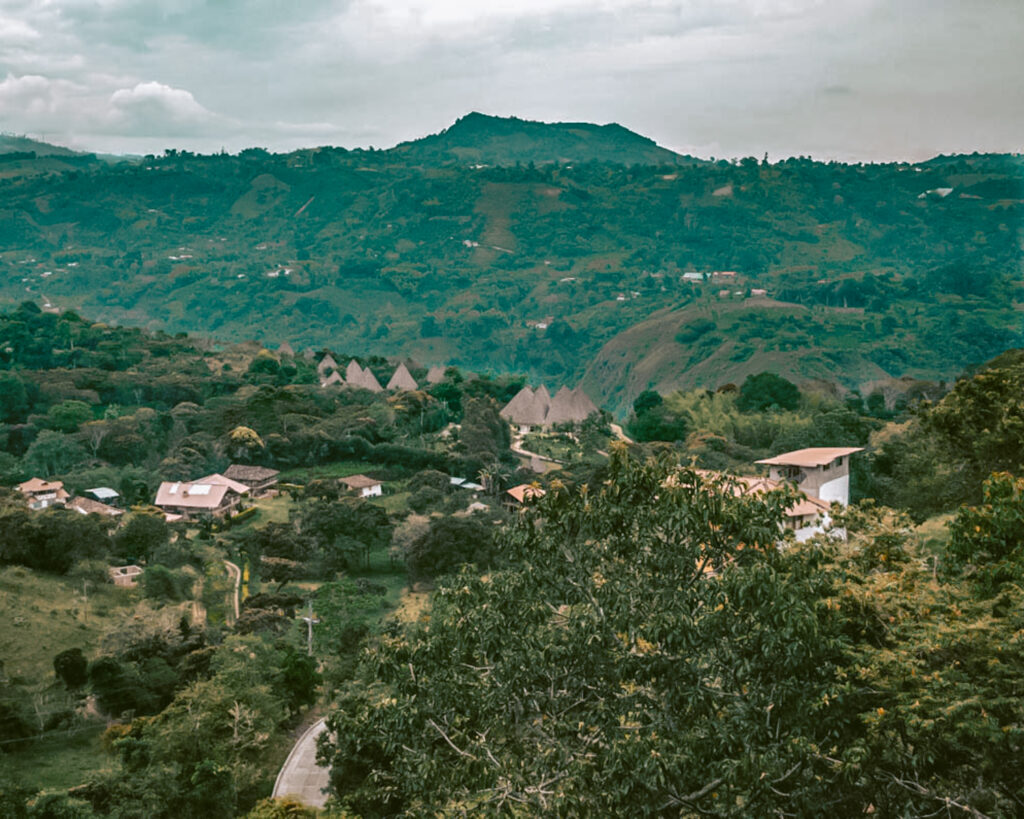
<point x="448" y="543"/>
<point x="68" y="416"/>
<point x="14" y="402"/>
<point x="766" y="390"/>
<point x="669" y="658"/>
<point x="72" y="668"/>
<point x="993" y="532"/>
<point x="142" y="536"/>
<point x="53" y="452"/>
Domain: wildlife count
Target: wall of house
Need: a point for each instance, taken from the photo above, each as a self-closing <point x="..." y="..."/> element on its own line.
<point x="370" y="491"/>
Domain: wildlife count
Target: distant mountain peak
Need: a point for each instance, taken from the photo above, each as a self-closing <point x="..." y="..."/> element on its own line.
<point x="493" y="140"/>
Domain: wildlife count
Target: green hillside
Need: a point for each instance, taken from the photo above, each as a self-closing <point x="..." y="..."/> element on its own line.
<point x="478" y="138"/>
<point x="553" y="269"/>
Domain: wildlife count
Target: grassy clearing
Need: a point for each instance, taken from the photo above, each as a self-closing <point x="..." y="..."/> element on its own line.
<point x="44" y="615"/>
<point x="336" y="469"/>
<point x="58" y="762"/>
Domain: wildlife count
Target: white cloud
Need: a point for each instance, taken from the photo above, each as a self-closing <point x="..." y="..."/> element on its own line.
<point x="155" y="107"/>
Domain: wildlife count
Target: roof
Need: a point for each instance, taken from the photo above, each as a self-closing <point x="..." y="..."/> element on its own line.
<point x="525" y="492"/>
<point x="435" y="375"/>
<point x="359" y="482"/>
<point x="34" y="485"/>
<point x="515" y="408"/>
<point x="217" y="478"/>
<point x="327" y="362"/>
<point x="755" y="485"/>
<point x="191" y="495"/>
<point x="88" y="506"/>
<point x="103" y="493"/>
<point x="333" y="378"/>
<point x="813" y="456"/>
<point x="370" y="382"/>
<point x="402" y="379"/>
<point x="243" y="473"/>
<point x="353" y="373"/>
<point x="285" y="349"/>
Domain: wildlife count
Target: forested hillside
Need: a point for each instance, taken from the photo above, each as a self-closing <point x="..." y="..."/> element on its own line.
<point x="557" y="269"/>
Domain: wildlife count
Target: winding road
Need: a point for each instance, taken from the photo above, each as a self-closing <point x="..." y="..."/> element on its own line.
<point x="235" y="573"/>
<point x="300" y="776"/>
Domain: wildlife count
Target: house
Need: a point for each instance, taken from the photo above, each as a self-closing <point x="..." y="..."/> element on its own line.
<point x="529" y="408"/>
<point x="42" y="494"/>
<point x="259" y="479"/>
<point x="88" y="506"/>
<point x="758" y="291"/>
<point x="104" y="494"/>
<point x="805" y="518"/>
<point x="125" y="576"/>
<point x="213" y="495"/>
<point x="286" y="349"/>
<point x="333" y="379"/>
<point x="724" y="274"/>
<point x="366" y="487"/>
<point x="692" y="276"/>
<point x="435" y="375"/>
<point x="402" y="379"/>
<point x="818" y="472"/>
<point x="519" y="496"/>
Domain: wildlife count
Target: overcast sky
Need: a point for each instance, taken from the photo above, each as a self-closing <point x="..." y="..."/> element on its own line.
<point x="844" y="79"/>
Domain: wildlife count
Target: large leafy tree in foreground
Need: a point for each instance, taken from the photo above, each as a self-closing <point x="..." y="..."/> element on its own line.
<point x="650" y="650"/>
<point x="609" y="672"/>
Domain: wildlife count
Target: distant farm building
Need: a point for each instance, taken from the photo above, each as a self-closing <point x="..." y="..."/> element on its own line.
<point x="125" y="576"/>
<point x="214" y="495"/>
<point x="364" y="486"/>
<point x="42" y="494"/>
<point x="529" y="408"/>
<point x="88" y="506"/>
<point x="435" y="375"/>
<point x="519" y="496"/>
<point x="259" y="479"/>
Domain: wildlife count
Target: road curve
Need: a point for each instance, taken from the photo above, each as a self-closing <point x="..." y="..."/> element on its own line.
<point x="300" y="776"/>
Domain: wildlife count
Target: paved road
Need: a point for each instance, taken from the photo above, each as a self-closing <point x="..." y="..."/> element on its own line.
<point x="300" y="776"/>
<point x="235" y="574"/>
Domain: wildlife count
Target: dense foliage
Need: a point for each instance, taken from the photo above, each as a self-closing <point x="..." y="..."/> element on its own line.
<point x="607" y="672"/>
<point x="536" y="268"/>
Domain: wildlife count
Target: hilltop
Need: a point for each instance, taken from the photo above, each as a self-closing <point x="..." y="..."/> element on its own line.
<point x="479" y="138"/>
<point x="633" y="275"/>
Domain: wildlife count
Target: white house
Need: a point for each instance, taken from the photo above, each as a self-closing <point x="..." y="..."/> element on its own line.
<point x="366" y="487"/>
<point x="819" y="472"/>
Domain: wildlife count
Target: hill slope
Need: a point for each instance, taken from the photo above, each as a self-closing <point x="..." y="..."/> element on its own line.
<point x="483" y="139"/>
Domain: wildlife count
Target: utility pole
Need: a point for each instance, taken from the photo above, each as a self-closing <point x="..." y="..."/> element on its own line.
<point x="310" y="622"/>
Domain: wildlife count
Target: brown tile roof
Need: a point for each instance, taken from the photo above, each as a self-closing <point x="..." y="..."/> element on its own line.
<point x="813" y="456"/>
<point x="244" y="473"/>
<point x="359" y="482"/>
<point x="88" y="506"/>
<point x="233" y="485"/>
<point x="35" y="485"/>
<point x="193" y="495"/>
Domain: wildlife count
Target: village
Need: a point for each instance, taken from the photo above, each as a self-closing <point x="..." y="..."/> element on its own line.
<point x="536" y="418"/>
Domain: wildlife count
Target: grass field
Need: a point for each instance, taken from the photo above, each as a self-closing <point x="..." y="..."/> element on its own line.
<point x="58" y="762"/>
<point x="43" y="615"/>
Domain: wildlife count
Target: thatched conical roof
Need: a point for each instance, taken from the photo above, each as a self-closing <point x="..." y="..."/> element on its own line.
<point x="536" y="414"/>
<point x="402" y="379"/>
<point x="435" y="375"/>
<point x="353" y="374"/>
<point x="286" y="349"/>
<point x="326" y="363"/>
<point x="369" y="382"/>
<point x="519" y="405"/>
<point x="561" y="410"/>
<point x="582" y="404"/>
<point x="332" y="379"/>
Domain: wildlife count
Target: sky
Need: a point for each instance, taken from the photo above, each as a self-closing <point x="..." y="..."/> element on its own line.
<point x="859" y="80"/>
